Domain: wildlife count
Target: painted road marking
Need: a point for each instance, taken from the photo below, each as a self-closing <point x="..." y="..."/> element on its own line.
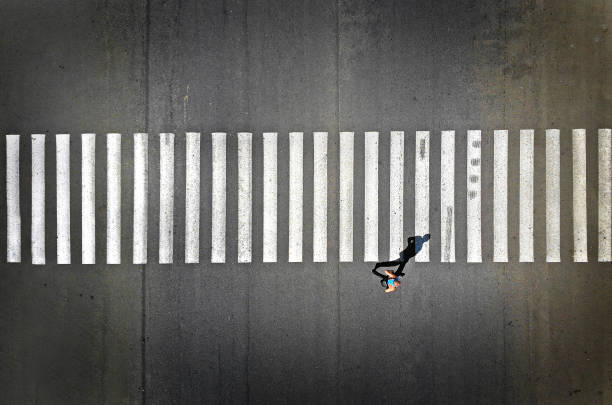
<point x="447" y="196"/>
<point x="421" y="192"/>
<point x="396" y="194"/>
<point x="296" y="195"/>
<point x="320" y="197"/>
<point x="245" y="191"/>
<point x="346" y="197"/>
<point x="553" y="196"/>
<point x="605" y="197"/>
<point x="370" y="205"/>
<point x="270" y="196"/>
<point x="62" y="177"/>
<point x="88" y="198"/>
<point x="474" y="163"/>
<point x="192" y="198"/>
<point x="166" y="197"/>
<point x="218" y="196"/>
<point x="13" y="212"/>
<point x="113" y="198"/>
<point x="579" y="195"/>
<point x="319" y="200"/>
<point x="38" y="199"/>
<point x="526" y="196"/>
<point x="500" y="195"/>
<point x="141" y="178"/>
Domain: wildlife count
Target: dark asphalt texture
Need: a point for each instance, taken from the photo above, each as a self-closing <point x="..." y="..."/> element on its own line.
<point x="305" y="333"/>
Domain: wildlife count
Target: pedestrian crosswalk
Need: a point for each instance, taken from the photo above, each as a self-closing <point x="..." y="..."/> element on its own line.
<point x="348" y="182"/>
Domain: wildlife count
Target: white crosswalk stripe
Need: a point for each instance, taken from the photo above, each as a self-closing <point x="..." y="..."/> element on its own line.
<point x="192" y="197"/>
<point x="421" y="191"/>
<point x="218" y="196"/>
<point x="166" y="197"/>
<point x="370" y="202"/>
<point x="396" y="194"/>
<point x="474" y="245"/>
<point x="88" y="198"/>
<point x="553" y="196"/>
<point x="38" y="199"/>
<point x="62" y="176"/>
<point x="13" y="211"/>
<point x="346" y="196"/>
<point x="245" y="191"/>
<point x="320" y="196"/>
<point x="579" y="194"/>
<point x="526" y="196"/>
<point x="605" y="196"/>
<point x="500" y="195"/>
<point x="296" y="195"/>
<point x="270" y="196"/>
<point x="447" y="196"/>
<point x="141" y="178"/>
<point x="113" y="198"/>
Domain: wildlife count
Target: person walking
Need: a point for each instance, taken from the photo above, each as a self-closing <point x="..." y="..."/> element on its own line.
<point x="390" y="280"/>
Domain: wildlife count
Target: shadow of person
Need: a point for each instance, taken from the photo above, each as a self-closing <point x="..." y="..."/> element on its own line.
<point x="419" y="241"/>
<point x="415" y="244"/>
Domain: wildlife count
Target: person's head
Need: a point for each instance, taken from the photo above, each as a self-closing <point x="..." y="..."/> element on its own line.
<point x="397" y="282"/>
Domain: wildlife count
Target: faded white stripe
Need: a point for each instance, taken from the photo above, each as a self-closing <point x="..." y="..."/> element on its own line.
<point x="474" y="243"/>
<point x="270" y="200"/>
<point x="113" y="198"/>
<point x="526" y="196"/>
<point x="447" y="196"/>
<point x="580" y="195"/>
<point x="500" y="196"/>
<point x="141" y="178"/>
<point x="421" y="192"/>
<point x="370" y="206"/>
<point x="218" y="228"/>
<point x="88" y="198"/>
<point x="605" y="197"/>
<point x="38" y="199"/>
<point x="62" y="159"/>
<point x="296" y="195"/>
<point x="346" y="197"/>
<point x="245" y="189"/>
<point x="319" y="200"/>
<point x="396" y="194"/>
<point x="13" y="213"/>
<point x="553" y="196"/>
<point x="166" y="197"/>
<point x="192" y="198"/>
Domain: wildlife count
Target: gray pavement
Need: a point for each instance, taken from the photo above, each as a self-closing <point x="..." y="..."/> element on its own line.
<point x="515" y="333"/>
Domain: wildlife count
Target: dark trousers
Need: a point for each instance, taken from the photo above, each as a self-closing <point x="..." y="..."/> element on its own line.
<point x="384" y="277"/>
<point x="392" y="263"/>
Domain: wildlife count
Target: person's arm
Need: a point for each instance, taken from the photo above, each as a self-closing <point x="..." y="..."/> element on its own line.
<point x="390" y="289"/>
<point x="390" y="273"/>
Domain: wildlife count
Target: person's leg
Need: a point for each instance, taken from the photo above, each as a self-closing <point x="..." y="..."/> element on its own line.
<point x="383" y="278"/>
<point x="376" y="273"/>
<point x="399" y="272"/>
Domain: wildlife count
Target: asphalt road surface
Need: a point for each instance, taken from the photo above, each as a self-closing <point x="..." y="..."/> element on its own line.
<point x="515" y="332"/>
